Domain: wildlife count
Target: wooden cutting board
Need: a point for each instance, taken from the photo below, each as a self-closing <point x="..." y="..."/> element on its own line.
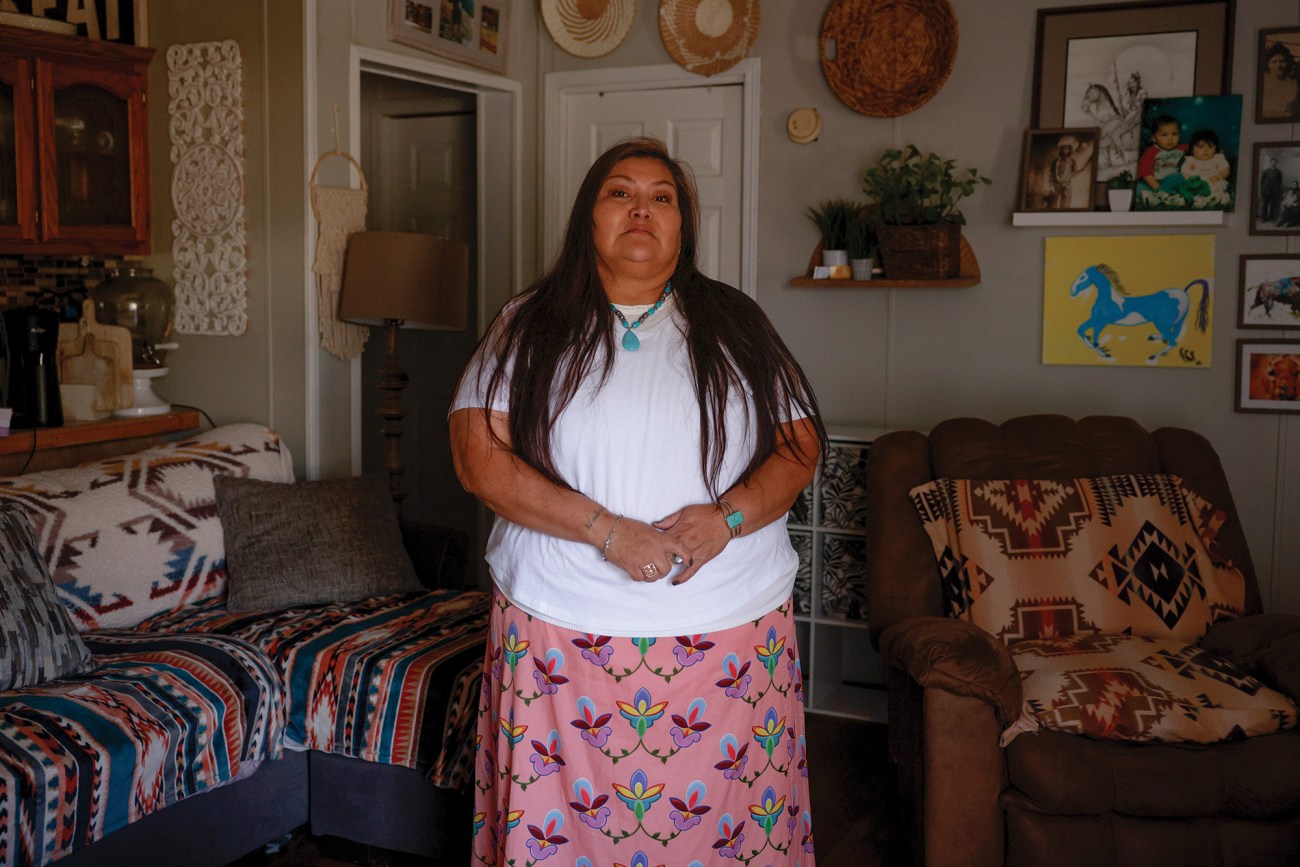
<point x="98" y="355"/>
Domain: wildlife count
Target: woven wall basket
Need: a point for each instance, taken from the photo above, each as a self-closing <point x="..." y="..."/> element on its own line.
<point x="708" y="36"/>
<point x="588" y="28"/>
<point x="887" y="57"/>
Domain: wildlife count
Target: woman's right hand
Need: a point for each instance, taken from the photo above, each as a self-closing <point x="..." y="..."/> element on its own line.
<point x="644" y="553"/>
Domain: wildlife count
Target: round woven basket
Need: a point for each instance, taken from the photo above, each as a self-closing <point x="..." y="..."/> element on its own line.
<point x="708" y="36"/>
<point x="588" y="28"/>
<point x="887" y="57"/>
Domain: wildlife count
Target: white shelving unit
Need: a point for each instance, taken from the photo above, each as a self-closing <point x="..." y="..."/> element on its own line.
<point x="1118" y="219"/>
<point x="843" y="674"/>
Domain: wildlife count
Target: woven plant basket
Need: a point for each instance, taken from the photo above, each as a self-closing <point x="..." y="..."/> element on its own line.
<point x="920" y="252"/>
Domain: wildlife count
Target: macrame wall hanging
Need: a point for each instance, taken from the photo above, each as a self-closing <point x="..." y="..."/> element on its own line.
<point x="206" y="124"/>
<point x="339" y="212"/>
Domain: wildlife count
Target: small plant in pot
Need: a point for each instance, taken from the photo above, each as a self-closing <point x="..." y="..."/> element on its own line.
<point x="833" y="219"/>
<point x="915" y="215"/>
<point x="1119" y="191"/>
<point x="861" y="246"/>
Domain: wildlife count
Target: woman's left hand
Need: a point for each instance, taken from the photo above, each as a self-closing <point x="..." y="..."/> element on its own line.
<point x="701" y="527"/>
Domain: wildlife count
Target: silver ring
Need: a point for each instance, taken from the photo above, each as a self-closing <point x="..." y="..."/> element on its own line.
<point x="676" y="558"/>
<point x="649" y="570"/>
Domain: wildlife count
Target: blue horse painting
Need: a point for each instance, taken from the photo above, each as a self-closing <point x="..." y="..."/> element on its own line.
<point x="1166" y="310"/>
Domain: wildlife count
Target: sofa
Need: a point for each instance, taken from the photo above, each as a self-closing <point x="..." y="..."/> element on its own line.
<point x="215" y="705"/>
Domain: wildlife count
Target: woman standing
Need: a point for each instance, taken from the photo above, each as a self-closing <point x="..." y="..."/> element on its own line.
<point x="640" y="432"/>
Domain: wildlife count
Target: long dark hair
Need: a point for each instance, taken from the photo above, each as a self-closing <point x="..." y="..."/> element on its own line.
<point x="561" y="327"/>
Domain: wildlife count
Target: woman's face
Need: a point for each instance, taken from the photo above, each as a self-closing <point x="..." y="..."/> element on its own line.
<point x="1277" y="65"/>
<point x="636" y="224"/>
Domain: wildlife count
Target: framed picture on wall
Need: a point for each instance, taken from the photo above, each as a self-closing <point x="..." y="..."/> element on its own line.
<point x="1275" y="189"/>
<point x="1096" y="65"/>
<point x="1189" y="151"/>
<point x="1268" y="376"/>
<point x="1058" y="171"/>
<point x="472" y="31"/>
<point x="1277" y="89"/>
<point x="1268" y="292"/>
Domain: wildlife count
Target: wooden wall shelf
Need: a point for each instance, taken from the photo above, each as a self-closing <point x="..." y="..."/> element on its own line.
<point x="76" y="442"/>
<point x="970" y="275"/>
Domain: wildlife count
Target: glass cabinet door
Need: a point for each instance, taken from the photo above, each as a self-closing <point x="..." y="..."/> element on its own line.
<point x="92" y="157"/>
<point x="17" y="152"/>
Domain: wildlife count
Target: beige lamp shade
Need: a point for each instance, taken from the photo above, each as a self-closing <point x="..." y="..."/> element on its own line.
<point x="418" y="280"/>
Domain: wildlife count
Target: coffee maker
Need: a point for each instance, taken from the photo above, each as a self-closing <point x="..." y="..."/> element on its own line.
<point x="31" y="374"/>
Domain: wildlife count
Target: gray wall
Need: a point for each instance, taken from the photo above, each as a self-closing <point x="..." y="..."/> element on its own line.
<point x="911" y="357"/>
<point x="881" y="358"/>
<point x="258" y="376"/>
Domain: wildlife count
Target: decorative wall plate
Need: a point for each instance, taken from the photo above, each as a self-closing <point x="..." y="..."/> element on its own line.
<point x="588" y="28"/>
<point x="887" y="57"/>
<point x="708" y="36"/>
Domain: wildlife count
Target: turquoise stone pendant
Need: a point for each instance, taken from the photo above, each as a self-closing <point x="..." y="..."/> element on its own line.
<point x="630" y="341"/>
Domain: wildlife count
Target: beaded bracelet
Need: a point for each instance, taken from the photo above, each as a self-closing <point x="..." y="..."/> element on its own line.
<point x="604" y="552"/>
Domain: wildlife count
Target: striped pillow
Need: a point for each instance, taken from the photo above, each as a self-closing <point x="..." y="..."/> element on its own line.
<point x="38" y="641"/>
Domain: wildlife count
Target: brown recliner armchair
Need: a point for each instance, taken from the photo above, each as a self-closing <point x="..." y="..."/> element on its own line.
<point x="1052" y="797"/>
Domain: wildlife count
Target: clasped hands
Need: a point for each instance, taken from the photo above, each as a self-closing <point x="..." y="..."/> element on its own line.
<point x="695" y="533"/>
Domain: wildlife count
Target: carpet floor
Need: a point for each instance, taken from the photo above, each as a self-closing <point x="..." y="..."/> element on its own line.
<point x="855" y="812"/>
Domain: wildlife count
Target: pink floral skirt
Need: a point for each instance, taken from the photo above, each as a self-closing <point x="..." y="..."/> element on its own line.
<point x="595" y="751"/>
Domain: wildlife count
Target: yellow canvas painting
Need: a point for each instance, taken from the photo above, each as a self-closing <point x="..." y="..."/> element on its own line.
<point x="1143" y="300"/>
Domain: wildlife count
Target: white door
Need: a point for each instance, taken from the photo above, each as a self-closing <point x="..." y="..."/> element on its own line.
<point x="428" y="180"/>
<point x="701" y="125"/>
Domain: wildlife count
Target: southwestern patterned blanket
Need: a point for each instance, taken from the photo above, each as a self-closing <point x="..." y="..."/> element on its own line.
<point x="161" y="717"/>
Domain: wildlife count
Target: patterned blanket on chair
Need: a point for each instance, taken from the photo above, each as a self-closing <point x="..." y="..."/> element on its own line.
<point x="160" y="718"/>
<point x="391" y="679"/>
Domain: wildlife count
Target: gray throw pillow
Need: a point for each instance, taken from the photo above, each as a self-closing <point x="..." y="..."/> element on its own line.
<point x="333" y="540"/>
<point x="38" y="640"/>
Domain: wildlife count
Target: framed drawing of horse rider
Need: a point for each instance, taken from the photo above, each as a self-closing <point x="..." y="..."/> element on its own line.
<point x="1277" y="76"/>
<point x="1136" y="300"/>
<point x="1268" y="376"/>
<point x="1058" y="172"/>
<point x="1268" y="293"/>
<point x="1096" y="65"/>
<point x="1275" y="189"/>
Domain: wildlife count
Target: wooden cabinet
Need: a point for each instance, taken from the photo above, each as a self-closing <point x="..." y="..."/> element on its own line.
<point x="74" y="145"/>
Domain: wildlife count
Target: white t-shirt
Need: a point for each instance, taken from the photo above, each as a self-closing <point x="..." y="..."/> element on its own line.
<point x="633" y="445"/>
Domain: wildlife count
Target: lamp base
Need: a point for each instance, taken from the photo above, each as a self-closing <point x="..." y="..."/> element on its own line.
<point x="144" y="402"/>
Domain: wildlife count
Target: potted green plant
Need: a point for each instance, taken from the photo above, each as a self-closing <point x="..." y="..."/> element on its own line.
<point x="861" y="246"/>
<point x="1119" y="191"/>
<point x="915" y="215"/>
<point x="833" y="219"/>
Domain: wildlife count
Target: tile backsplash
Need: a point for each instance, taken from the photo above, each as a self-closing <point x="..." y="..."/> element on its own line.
<point x="24" y="278"/>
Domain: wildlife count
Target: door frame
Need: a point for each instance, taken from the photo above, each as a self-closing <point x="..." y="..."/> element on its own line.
<point x="498" y="105"/>
<point x="561" y="85"/>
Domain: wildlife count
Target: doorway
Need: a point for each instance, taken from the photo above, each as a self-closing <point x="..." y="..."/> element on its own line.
<point x="419" y="153"/>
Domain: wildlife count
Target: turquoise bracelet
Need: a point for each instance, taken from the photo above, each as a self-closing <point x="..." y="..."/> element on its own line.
<point x="735" y="518"/>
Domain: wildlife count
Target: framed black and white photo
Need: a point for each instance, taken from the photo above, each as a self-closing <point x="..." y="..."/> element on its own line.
<point x="1096" y="65"/>
<point x="1058" y="170"/>
<point x="473" y="31"/>
<point x="1268" y="291"/>
<point x="1275" y="189"/>
<point x="1268" y="376"/>
<point x="1277" y="88"/>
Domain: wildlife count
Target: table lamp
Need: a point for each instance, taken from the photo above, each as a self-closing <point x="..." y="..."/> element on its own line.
<point x="402" y="280"/>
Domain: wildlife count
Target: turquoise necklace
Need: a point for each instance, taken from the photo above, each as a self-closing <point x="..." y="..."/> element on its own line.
<point x="630" y="341"/>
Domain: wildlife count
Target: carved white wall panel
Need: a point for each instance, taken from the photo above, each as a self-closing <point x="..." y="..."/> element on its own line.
<point x="206" y="126"/>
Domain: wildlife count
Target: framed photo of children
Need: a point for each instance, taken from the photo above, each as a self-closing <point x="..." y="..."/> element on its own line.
<point x="1275" y="189"/>
<point x="1095" y="65"/>
<point x="1277" y="88"/>
<point x="1268" y="376"/>
<point x="472" y="31"/>
<point x="1058" y="171"/>
<point x="1188" y="155"/>
<point x="1268" y="294"/>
